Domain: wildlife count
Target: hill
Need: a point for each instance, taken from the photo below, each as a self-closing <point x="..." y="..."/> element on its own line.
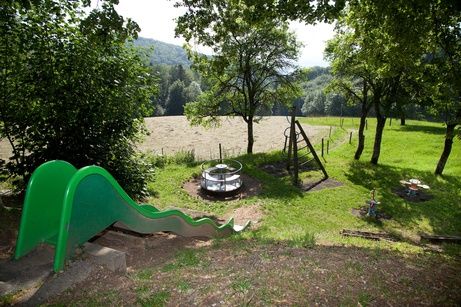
<point x="163" y="53"/>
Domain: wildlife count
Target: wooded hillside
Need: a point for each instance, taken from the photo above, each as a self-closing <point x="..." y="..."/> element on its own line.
<point x="163" y="53"/>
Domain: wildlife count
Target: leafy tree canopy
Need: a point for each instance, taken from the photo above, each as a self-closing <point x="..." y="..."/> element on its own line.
<point x="71" y="90"/>
<point x="253" y="63"/>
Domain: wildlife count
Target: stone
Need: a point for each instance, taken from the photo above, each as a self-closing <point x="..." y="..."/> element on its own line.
<point x="112" y="259"/>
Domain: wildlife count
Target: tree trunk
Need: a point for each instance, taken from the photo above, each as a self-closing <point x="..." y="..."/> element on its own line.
<point x="402" y="119"/>
<point x="449" y="135"/>
<point x="250" y="135"/>
<point x="381" y="121"/>
<point x="363" y="118"/>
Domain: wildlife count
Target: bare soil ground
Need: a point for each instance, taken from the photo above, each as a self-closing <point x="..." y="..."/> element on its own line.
<point x="180" y="271"/>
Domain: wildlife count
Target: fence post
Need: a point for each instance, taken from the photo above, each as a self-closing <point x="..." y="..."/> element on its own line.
<point x="366" y="124"/>
<point x="329" y="134"/>
<point x="220" y="153"/>
<point x="328" y="146"/>
<point x="350" y="138"/>
<point x="322" y="146"/>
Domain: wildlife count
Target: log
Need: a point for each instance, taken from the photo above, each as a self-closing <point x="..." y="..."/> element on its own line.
<point x="440" y="238"/>
<point x="367" y="235"/>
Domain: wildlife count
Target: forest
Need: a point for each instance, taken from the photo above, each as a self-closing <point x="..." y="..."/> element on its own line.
<point x="178" y="85"/>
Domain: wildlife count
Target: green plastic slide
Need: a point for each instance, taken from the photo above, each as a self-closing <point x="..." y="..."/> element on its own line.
<point x="66" y="207"/>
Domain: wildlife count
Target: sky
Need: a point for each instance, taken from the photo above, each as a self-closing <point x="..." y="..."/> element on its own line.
<point x="156" y="19"/>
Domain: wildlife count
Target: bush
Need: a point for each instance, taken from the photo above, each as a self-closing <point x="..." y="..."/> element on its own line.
<point x="73" y="90"/>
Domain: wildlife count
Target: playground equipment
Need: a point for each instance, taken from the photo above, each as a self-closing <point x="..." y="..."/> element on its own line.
<point x="221" y="177"/>
<point x="299" y="157"/>
<point x="413" y="186"/>
<point x="65" y="207"/>
<point x="372" y="204"/>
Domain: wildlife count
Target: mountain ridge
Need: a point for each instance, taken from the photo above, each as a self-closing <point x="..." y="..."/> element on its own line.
<point x="163" y="53"/>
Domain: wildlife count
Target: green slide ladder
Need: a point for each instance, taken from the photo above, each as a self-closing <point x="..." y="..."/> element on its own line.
<point x="65" y="207"/>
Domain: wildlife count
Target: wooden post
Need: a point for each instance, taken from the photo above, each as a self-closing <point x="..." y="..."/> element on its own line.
<point x="220" y="153"/>
<point x="366" y="124"/>
<point x="329" y="134"/>
<point x="322" y="147"/>
<point x="328" y="146"/>
<point x="350" y="138"/>
<point x="292" y="137"/>
<point x="295" y="158"/>
<point x="308" y="143"/>
<point x="390" y="122"/>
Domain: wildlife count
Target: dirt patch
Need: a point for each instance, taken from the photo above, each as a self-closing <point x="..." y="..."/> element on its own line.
<point x="250" y="273"/>
<point x="250" y="187"/>
<point x="155" y="248"/>
<point x="242" y="215"/>
<point x="279" y="168"/>
<point x="420" y="196"/>
<point x="362" y="212"/>
<point x="10" y="212"/>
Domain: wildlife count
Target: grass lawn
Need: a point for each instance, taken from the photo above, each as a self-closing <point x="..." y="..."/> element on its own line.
<point x="410" y="151"/>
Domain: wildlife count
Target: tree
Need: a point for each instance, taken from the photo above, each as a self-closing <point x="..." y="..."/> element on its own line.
<point x="193" y="91"/>
<point x="444" y="68"/>
<point x="176" y="98"/>
<point x="177" y="72"/>
<point x="71" y="90"/>
<point x="252" y="66"/>
<point x="381" y="43"/>
<point x="314" y="103"/>
<point x="352" y="78"/>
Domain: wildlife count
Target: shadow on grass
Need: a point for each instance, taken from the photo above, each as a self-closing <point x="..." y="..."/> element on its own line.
<point x="424" y="129"/>
<point x="273" y="187"/>
<point x="442" y="213"/>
